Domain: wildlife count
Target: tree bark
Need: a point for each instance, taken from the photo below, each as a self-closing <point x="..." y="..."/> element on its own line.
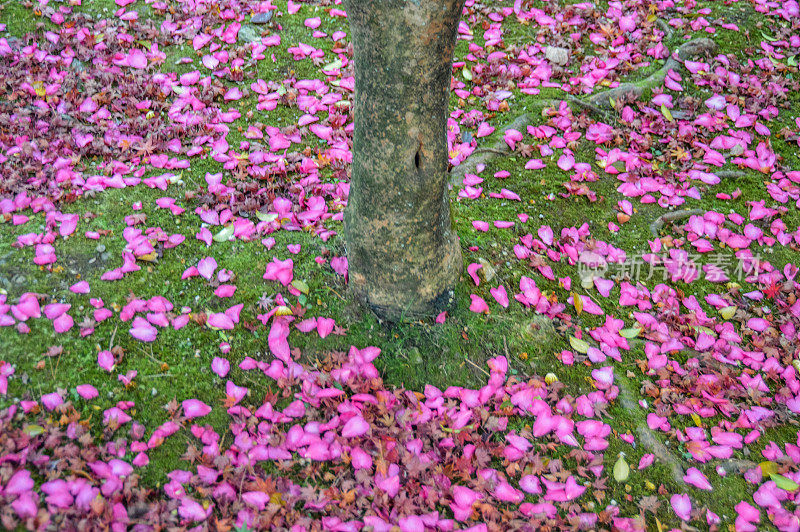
<point x="403" y="254"/>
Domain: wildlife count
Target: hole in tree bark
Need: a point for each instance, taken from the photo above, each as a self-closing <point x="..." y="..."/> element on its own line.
<point x="416" y="160"/>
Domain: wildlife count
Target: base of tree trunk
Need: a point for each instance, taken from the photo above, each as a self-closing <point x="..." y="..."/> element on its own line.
<point x="397" y="299"/>
<point x="404" y="258"/>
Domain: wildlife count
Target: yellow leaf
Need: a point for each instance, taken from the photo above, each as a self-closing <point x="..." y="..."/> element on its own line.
<point x="38" y="87"/>
<point x="667" y="114"/>
<point x="697" y="420"/>
<point x="768" y="468"/>
<point x="266" y="217"/>
<point x="727" y="312"/>
<point x="632" y="332"/>
<point x="578" y="345"/>
<point x="578" y="302"/>
<point x="33" y="430"/>
<point x="335" y="65"/>
<point x="283" y="310"/>
<point x="302" y="286"/>
<point x="621" y="469"/>
<point x="148" y="257"/>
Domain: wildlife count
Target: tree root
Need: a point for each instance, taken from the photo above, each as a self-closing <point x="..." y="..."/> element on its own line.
<point x="658" y="223"/>
<point x="687" y="50"/>
<point x="491" y="150"/>
<point x="734" y="465"/>
<point x="484" y="155"/>
<point x="666" y="28"/>
<point x="597" y="104"/>
<point x="725" y="174"/>
<point x="649" y="440"/>
<point x="676" y="464"/>
<point x="589" y="106"/>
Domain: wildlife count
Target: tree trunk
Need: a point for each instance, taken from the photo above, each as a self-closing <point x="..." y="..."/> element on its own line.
<point x="403" y="254"/>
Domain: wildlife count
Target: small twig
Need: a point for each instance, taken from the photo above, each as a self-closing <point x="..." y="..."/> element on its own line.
<point x="152" y="356"/>
<point x="477" y="367"/>
<point x="113" y="335"/>
<point x="335" y="292"/>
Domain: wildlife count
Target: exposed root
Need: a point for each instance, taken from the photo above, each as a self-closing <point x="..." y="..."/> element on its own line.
<point x="654" y="445"/>
<point x="687" y="50"/>
<point x="597" y="104"/>
<point x="666" y="28"/>
<point x="676" y="464"/>
<point x="649" y="440"/>
<point x="724" y="174"/>
<point x="491" y="150"/>
<point x="695" y="47"/>
<point x="484" y="155"/>
<point x="734" y="465"/>
<point x="589" y="106"/>
<point x="658" y="223"/>
<point x="572" y="101"/>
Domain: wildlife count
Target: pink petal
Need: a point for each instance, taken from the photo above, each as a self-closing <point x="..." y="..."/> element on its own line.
<point x="478" y="304"/>
<point x="278" y="334"/>
<point x="220" y="366"/>
<point x="206" y="267"/>
<point x="325" y="326"/>
<point x="472" y="270"/>
<point x="19" y="483"/>
<point x="697" y="479"/>
<point x="142" y="330"/>
<point x="193" y="408"/>
<point x="51" y="401"/>
<point x="87" y="391"/>
<point x="355" y="427"/>
<point x="225" y="290"/>
<point x="105" y="360"/>
<point x="500" y="295"/>
<point x="682" y="505"/>
<point x="484" y="130"/>
<point x="81" y="287"/>
<point x="545" y="232"/>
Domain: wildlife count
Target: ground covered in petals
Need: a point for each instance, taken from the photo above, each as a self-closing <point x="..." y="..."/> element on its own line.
<point x="177" y="349"/>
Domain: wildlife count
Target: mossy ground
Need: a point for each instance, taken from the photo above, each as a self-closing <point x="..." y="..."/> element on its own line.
<point x="177" y="365"/>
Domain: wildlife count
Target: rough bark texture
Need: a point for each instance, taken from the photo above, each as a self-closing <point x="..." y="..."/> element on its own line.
<point x="403" y="254"/>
